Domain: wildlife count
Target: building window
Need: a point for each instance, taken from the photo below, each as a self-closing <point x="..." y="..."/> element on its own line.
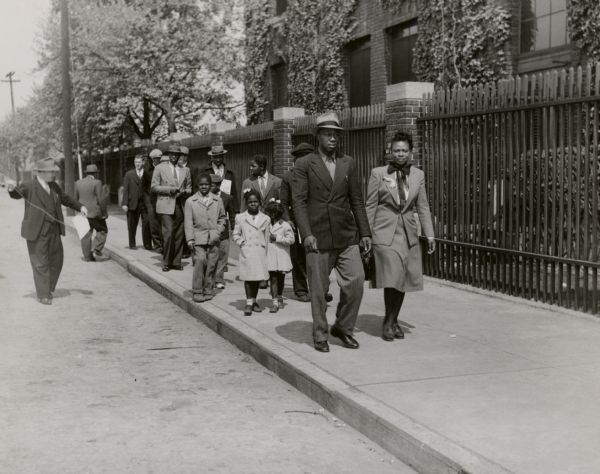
<point x="543" y="24"/>
<point x="280" y="6"/>
<point x="279" y="85"/>
<point x="358" y="55"/>
<point x="402" y="39"/>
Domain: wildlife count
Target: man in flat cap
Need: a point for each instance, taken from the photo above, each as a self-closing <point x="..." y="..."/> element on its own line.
<point x="150" y="200"/>
<point x="88" y="191"/>
<point x="299" y="281"/>
<point x="329" y="209"/>
<point x="223" y="248"/>
<point x="217" y="166"/>
<point x="43" y="224"/>
<point x="133" y="203"/>
<point x="167" y="185"/>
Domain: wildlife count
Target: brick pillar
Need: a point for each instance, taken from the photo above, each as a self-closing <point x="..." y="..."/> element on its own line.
<point x="283" y="129"/>
<point x="402" y="109"/>
<point x="217" y="131"/>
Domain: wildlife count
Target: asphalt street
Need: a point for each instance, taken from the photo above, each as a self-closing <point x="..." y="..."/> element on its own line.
<point x="113" y="377"/>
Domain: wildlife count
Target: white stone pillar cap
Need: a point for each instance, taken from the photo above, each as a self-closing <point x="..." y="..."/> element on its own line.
<point x="407" y="90"/>
<point x="288" y="113"/>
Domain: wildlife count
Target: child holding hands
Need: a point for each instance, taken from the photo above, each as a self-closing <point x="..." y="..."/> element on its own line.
<point x="281" y="237"/>
<point x="251" y="234"/>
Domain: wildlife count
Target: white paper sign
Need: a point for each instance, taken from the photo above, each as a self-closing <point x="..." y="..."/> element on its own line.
<point x="226" y="186"/>
<point x="81" y="224"/>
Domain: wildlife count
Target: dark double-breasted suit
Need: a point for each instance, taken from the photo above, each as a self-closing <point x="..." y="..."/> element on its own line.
<point x="333" y="211"/>
<point x="153" y="223"/>
<point x="133" y="198"/>
<point x="42" y="226"/>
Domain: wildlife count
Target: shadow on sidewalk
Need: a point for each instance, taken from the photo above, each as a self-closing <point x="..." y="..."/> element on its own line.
<point x="299" y="332"/>
<point x="371" y="324"/>
<point x="62" y="292"/>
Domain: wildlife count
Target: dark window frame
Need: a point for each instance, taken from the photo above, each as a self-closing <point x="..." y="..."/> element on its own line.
<point x="405" y="32"/>
<point x="532" y="19"/>
<point x="279" y="89"/>
<point x="355" y="52"/>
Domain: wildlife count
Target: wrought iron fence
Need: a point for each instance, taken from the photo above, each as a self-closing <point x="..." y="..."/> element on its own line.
<point x="513" y="179"/>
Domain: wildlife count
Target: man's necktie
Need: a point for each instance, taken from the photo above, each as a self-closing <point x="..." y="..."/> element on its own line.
<point x="261" y="186"/>
<point x="175" y="174"/>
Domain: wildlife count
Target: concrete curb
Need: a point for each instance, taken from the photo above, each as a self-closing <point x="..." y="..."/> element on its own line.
<point x="423" y="449"/>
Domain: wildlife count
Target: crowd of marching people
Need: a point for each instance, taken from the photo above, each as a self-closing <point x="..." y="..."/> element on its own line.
<point x="309" y="222"/>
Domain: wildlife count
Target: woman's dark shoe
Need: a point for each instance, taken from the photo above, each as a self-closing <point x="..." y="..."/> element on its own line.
<point x="398" y="332"/>
<point x="388" y="333"/>
<point x="248" y="310"/>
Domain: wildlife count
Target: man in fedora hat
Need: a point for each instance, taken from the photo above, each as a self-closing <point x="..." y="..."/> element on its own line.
<point x="217" y="166"/>
<point x="150" y="200"/>
<point x="168" y="184"/>
<point x="330" y="213"/>
<point x="133" y="203"/>
<point x="88" y="191"/>
<point x="43" y="224"/>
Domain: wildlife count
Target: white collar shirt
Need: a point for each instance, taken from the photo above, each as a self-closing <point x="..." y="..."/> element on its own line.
<point x="219" y="170"/>
<point x="44" y="184"/>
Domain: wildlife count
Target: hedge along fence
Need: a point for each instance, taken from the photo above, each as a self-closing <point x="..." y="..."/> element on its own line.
<point x="513" y="176"/>
<point x="363" y="137"/>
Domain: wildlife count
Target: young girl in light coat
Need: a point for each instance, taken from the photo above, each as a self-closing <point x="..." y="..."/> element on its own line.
<point x="251" y="234"/>
<point x="278" y="251"/>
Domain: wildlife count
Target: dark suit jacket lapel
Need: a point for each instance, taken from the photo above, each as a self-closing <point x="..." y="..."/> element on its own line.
<point x="341" y="172"/>
<point x="47" y="200"/>
<point x="316" y="163"/>
<point x="269" y="184"/>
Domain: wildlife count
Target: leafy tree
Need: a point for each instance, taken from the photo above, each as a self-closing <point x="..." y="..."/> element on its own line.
<point x="147" y="68"/>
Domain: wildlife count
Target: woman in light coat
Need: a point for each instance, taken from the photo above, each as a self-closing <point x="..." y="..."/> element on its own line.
<point x="394" y="193"/>
<point x="251" y="234"/>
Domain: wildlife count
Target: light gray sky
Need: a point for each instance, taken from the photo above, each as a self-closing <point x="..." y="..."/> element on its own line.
<point x="20" y="23"/>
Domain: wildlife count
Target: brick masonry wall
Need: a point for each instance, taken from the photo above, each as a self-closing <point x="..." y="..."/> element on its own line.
<point x="282" y="143"/>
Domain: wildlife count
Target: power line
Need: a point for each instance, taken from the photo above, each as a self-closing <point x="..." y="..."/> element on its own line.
<point x="11" y="81"/>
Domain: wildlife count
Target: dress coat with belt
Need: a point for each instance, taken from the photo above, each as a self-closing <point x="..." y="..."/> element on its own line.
<point x="252" y="236"/>
<point x="271" y="189"/>
<point x="394" y="227"/>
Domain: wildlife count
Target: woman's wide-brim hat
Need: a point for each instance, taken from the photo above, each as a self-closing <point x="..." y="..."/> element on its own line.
<point x="46" y="165"/>
<point x="329" y="120"/>
<point x="217" y="150"/>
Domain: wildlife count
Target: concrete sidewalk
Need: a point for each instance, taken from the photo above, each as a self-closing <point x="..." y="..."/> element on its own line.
<point x="480" y="384"/>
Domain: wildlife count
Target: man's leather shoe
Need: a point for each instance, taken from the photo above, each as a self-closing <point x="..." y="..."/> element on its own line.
<point x="398" y="332"/>
<point x="347" y="341"/>
<point x="248" y="310"/>
<point x="304" y="298"/>
<point x="388" y="333"/>
<point x="219" y="286"/>
<point x="328" y="297"/>
<point x="165" y="268"/>
<point x="322" y="346"/>
<point x="97" y="253"/>
<point x="45" y="300"/>
<point x="199" y="298"/>
<point x="256" y="308"/>
<point x="133" y="247"/>
<point x="90" y="259"/>
<point x="177" y="267"/>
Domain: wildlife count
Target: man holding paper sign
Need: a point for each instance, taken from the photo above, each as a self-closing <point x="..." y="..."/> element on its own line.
<point x="88" y="191"/>
<point x="43" y="224"/>
<point x="217" y="167"/>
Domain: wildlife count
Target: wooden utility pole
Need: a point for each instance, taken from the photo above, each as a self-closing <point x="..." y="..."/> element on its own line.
<point x="12" y="96"/>
<point x="66" y="97"/>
